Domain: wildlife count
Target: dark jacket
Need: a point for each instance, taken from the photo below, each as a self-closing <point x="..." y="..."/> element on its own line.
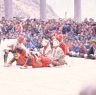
<point x="91" y="51"/>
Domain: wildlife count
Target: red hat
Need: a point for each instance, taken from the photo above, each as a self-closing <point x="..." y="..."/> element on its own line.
<point x="59" y="38"/>
<point x="20" y="39"/>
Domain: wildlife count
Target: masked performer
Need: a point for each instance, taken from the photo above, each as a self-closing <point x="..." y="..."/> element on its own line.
<point x="19" y="52"/>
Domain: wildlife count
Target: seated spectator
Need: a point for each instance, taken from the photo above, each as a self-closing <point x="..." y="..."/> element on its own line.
<point x="82" y="50"/>
<point x="74" y="51"/>
<point x="92" y="51"/>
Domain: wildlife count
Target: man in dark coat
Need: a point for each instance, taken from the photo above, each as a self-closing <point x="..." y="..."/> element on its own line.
<point x="92" y="51"/>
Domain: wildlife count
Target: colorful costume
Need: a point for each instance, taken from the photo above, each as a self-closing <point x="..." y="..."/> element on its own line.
<point x="58" y="56"/>
<point x="18" y="51"/>
<point x="59" y="37"/>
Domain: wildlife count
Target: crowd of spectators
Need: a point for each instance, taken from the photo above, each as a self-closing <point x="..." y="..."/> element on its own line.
<point x="76" y="35"/>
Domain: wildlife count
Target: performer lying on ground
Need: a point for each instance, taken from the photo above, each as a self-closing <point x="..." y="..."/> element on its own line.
<point x="42" y="58"/>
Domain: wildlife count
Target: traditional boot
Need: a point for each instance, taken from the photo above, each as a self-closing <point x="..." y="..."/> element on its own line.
<point x="10" y="62"/>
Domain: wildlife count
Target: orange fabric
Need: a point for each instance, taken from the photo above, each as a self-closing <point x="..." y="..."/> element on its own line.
<point x="34" y="63"/>
<point x="45" y="61"/>
<point x="22" y="58"/>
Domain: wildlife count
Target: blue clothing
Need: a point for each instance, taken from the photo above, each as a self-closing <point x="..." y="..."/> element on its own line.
<point x="76" y="49"/>
<point x="36" y="30"/>
<point x="87" y="46"/>
<point x="30" y="46"/>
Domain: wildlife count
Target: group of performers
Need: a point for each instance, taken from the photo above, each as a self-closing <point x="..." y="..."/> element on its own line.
<point x="50" y="55"/>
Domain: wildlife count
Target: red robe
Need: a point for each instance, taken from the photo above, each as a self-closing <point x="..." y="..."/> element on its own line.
<point x="34" y="63"/>
<point x="43" y="61"/>
<point x="44" y="58"/>
<point x="22" y="58"/>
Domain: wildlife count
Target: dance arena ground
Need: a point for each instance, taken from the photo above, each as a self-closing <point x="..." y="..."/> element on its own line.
<point x="66" y="80"/>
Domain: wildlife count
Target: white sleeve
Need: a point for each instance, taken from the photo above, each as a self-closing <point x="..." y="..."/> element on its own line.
<point x="23" y="47"/>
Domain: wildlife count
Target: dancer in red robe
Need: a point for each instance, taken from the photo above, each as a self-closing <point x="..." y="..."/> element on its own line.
<point x="36" y="61"/>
